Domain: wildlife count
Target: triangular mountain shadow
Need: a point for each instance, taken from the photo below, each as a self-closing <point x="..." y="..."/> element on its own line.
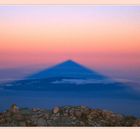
<point x="67" y="69"/>
<point x="72" y="77"/>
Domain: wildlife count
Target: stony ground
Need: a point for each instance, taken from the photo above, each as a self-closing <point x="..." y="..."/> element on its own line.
<point x="64" y="116"/>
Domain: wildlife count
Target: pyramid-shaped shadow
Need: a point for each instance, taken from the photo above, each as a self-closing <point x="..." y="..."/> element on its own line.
<point x="67" y="69"/>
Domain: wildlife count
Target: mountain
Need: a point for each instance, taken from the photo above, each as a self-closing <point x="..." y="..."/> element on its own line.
<point x="70" y="76"/>
<point x="67" y="69"/>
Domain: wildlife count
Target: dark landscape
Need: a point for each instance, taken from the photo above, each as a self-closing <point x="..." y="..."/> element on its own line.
<point x="79" y="116"/>
<point x="65" y="116"/>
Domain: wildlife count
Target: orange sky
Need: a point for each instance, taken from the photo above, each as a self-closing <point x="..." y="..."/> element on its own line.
<point x="101" y="37"/>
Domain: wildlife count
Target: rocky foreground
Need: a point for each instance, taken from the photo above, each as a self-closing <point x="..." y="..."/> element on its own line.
<point x="64" y="116"/>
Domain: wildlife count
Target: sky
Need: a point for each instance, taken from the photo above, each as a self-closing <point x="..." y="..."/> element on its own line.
<point x="103" y="38"/>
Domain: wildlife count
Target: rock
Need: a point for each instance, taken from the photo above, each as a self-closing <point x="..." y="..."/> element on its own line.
<point x="73" y="118"/>
<point x="14" y="108"/>
<point x="54" y="117"/>
<point x="49" y="122"/>
<point x="8" y="119"/>
<point x="36" y="109"/>
<point x="28" y="123"/>
<point x="78" y="113"/>
<point x="65" y="116"/>
<point x="7" y="114"/>
<point x="41" y="122"/>
<point x="137" y="123"/>
<point x="25" y="111"/>
<point x="129" y="120"/>
<point x="40" y="115"/>
<point x="82" y="123"/>
<point x="2" y="121"/>
<point x="67" y="111"/>
<point x="83" y="107"/>
<point x="92" y="115"/>
<point x="34" y="120"/>
<point x="86" y="112"/>
<point x="46" y="116"/>
<point x="71" y="112"/>
<point x="19" y="117"/>
<point x="56" y="110"/>
<point x="22" y="124"/>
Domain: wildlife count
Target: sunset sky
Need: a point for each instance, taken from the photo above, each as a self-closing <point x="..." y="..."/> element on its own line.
<point x="104" y="38"/>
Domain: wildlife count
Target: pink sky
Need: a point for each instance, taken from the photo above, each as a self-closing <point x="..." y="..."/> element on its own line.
<point x="104" y="38"/>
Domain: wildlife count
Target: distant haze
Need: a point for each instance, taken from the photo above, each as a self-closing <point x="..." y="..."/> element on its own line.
<point x="103" y="38"/>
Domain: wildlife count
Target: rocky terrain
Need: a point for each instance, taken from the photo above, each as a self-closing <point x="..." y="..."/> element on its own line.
<point x="64" y="116"/>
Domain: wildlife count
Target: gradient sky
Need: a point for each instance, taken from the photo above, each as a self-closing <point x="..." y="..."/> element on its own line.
<point x="104" y="38"/>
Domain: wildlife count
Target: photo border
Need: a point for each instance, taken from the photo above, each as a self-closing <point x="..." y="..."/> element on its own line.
<point x="69" y="133"/>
